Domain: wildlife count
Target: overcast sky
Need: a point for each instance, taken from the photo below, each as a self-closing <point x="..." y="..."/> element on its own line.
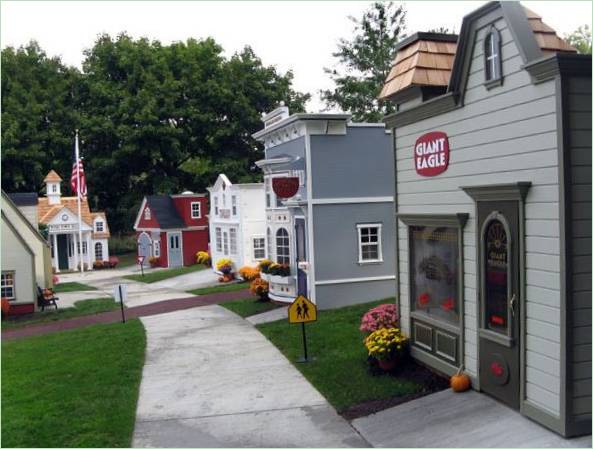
<point x="290" y="35"/>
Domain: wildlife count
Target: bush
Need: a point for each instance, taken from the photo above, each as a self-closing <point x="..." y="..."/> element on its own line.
<point x="122" y="244"/>
<point x="383" y="316"/>
<point x="224" y="265"/>
<point x="264" y="265"/>
<point x="249" y="273"/>
<point x="113" y="261"/>
<point x="260" y="288"/>
<point x="204" y="258"/>
<point x="277" y="269"/>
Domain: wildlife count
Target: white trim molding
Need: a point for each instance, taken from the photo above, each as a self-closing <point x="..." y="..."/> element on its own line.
<point x="389" y="277"/>
<point x="353" y="200"/>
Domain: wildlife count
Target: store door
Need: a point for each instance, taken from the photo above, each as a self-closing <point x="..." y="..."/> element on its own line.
<point x="301" y="254"/>
<point x="144" y="247"/>
<point x="63" y="251"/>
<point x="175" y="257"/>
<point x="500" y="311"/>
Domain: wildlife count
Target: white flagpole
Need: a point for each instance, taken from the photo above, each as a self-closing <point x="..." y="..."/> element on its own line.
<point x="79" y="249"/>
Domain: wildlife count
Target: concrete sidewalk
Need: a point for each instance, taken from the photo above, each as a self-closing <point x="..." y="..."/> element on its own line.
<point x="212" y="380"/>
<point x="447" y="419"/>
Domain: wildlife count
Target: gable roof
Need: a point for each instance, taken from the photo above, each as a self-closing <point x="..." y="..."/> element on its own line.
<point x="163" y="207"/>
<point x="48" y="211"/>
<point x="8" y="202"/>
<point x="24" y="199"/>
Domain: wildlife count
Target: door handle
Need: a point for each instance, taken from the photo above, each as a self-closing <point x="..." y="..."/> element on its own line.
<point x="512" y="304"/>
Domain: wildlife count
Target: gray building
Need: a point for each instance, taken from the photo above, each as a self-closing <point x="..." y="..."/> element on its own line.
<point x="336" y="233"/>
<point x="492" y="143"/>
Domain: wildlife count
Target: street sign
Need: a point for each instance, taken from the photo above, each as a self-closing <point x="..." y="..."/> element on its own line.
<point x="302" y="311"/>
<point x="120" y="293"/>
<point x="140" y="260"/>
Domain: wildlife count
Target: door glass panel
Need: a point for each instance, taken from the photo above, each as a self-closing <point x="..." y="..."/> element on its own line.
<point x="496" y="277"/>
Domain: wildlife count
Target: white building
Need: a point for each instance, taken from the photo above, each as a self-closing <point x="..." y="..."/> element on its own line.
<point x="237" y="222"/>
<point x="60" y="215"/>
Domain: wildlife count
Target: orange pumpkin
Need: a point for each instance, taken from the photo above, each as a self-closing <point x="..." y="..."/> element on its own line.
<point x="460" y="382"/>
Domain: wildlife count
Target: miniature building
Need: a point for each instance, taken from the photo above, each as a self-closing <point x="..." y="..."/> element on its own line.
<point x="172" y="228"/>
<point x="60" y="215"/>
<point x="26" y="260"/>
<point x="493" y="199"/>
<point x="237" y="222"/>
<point x="336" y="232"/>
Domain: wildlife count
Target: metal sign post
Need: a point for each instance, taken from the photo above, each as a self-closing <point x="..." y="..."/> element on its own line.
<point x="120" y="293"/>
<point x="302" y="311"/>
<point x="140" y="261"/>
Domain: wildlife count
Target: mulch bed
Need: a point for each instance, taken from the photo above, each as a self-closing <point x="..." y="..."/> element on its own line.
<point x="431" y="383"/>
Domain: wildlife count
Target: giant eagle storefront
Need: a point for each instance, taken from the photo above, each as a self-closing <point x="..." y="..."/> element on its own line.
<point x="492" y="140"/>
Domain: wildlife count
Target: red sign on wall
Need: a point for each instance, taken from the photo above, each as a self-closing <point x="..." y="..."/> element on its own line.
<point x="285" y="187"/>
<point x="431" y="153"/>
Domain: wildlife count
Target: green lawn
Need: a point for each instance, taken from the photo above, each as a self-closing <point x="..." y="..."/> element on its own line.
<point x="85" y="307"/>
<point x="151" y="275"/>
<point x="340" y="371"/>
<point x="249" y="306"/>
<point x="76" y="388"/>
<point x="221" y="288"/>
<point x="72" y="287"/>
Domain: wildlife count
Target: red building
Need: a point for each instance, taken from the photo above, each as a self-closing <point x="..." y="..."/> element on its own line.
<point x="172" y="228"/>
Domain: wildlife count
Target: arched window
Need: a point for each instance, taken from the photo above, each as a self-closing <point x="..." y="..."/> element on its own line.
<point x="492" y="59"/>
<point x="282" y="246"/>
<point x="98" y="251"/>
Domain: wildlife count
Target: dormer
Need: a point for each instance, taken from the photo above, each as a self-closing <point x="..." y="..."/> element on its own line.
<point x="52" y="187"/>
<point x="421" y="69"/>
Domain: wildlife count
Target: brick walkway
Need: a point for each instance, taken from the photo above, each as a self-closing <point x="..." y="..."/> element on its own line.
<point x="115" y="315"/>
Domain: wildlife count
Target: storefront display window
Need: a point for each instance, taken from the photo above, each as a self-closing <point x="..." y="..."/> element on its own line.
<point x="496" y="276"/>
<point x="434" y="260"/>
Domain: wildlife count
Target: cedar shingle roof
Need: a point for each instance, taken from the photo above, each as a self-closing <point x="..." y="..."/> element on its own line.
<point x="48" y="211"/>
<point x="546" y="36"/>
<point x="52" y="176"/>
<point x="426" y="61"/>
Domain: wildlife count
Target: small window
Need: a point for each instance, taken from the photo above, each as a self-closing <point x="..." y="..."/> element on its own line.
<point x="54" y="188"/>
<point x="99" y="226"/>
<point x="259" y="248"/>
<point x="233" y="240"/>
<point x="218" y="240"/>
<point x="84" y="248"/>
<point x="156" y="248"/>
<point x="492" y="59"/>
<point x="196" y="210"/>
<point x="7" y="287"/>
<point x="216" y="205"/>
<point x="98" y="251"/>
<point x="234" y="204"/>
<point x="282" y="246"/>
<point x="147" y="213"/>
<point x="369" y="243"/>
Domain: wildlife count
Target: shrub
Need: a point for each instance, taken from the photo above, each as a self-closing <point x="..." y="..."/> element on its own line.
<point x="277" y="269"/>
<point x="383" y="316"/>
<point x="264" y="265"/>
<point x="122" y="244"/>
<point x="224" y="265"/>
<point x="249" y="273"/>
<point x="260" y="288"/>
<point x="204" y="258"/>
<point x="385" y="344"/>
<point x="5" y="307"/>
<point x="113" y="261"/>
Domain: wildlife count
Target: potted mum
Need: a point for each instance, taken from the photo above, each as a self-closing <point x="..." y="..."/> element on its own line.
<point x="389" y="346"/>
<point x="153" y="261"/>
<point x="383" y="316"/>
<point x="202" y="257"/>
<point x="279" y="273"/>
<point x="225" y="266"/>
<point x="264" y="268"/>
<point x="260" y="288"/>
<point x="249" y="273"/>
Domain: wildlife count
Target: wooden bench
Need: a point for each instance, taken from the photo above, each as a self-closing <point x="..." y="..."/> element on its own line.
<point x="46" y="298"/>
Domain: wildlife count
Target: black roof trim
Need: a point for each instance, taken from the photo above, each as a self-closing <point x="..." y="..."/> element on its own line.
<point x="425" y="36"/>
<point x="166" y="213"/>
<point x="24" y="199"/>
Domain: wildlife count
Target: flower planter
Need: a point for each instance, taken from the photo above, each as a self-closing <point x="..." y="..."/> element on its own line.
<point x="387" y="365"/>
<point x="282" y="280"/>
<point x="265" y="276"/>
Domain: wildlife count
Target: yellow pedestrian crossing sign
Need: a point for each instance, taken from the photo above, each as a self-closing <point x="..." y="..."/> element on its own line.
<point x="302" y="311"/>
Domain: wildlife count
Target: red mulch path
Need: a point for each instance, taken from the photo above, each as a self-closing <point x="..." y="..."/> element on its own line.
<point x="115" y="315"/>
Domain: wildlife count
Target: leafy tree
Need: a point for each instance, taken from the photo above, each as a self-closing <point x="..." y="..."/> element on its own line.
<point x="580" y="39"/>
<point x="38" y="117"/>
<point x="366" y="62"/>
<point x="442" y="30"/>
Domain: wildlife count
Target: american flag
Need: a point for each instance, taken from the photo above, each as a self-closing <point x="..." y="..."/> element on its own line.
<point x="78" y="171"/>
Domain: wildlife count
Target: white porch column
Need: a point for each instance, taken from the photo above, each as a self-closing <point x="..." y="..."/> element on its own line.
<point x="55" y="260"/>
<point x="88" y="250"/>
<point x="76" y="258"/>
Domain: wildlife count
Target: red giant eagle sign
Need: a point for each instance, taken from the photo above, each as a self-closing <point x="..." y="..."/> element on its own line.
<point x="431" y="153"/>
<point x="285" y="187"/>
